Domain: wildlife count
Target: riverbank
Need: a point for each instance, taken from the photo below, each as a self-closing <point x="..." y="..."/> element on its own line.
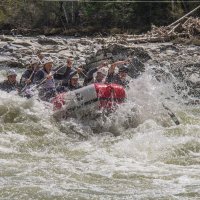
<point x="185" y="31"/>
<point x="88" y="31"/>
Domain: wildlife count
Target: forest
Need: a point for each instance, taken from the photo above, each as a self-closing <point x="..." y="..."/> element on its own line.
<point x="88" y="17"/>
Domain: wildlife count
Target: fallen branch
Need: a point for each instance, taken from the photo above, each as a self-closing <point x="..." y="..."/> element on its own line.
<point x="150" y="39"/>
<point x="184" y="16"/>
<point x="174" y="28"/>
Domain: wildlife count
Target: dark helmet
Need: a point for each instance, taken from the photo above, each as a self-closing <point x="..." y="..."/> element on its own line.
<point x="124" y="68"/>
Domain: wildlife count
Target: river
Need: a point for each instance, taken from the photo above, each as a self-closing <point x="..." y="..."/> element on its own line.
<point x="151" y="158"/>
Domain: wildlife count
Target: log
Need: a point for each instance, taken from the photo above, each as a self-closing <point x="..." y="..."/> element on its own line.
<point x="150" y="39"/>
<point x="174" y="28"/>
<point x="186" y="22"/>
<point x="184" y="16"/>
<point x="189" y="29"/>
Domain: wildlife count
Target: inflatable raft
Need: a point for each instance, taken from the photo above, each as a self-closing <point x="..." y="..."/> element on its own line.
<point x="99" y="96"/>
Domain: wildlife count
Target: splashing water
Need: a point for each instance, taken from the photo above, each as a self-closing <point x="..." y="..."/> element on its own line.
<point x="151" y="158"/>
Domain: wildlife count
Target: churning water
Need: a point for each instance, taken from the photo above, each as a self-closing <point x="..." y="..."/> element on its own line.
<point x="151" y="158"/>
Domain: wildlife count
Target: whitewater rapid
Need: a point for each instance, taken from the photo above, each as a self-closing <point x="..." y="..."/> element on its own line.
<point x="150" y="158"/>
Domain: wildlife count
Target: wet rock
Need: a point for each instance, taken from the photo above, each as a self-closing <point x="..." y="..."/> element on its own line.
<point x="116" y="52"/>
<point x="141" y="54"/>
<point x="169" y="47"/>
<point x="11" y="62"/>
<point x="122" y="51"/>
<point x="8" y="48"/>
<point x="14" y="64"/>
<point x="191" y="76"/>
<point x="185" y="78"/>
<point x="161" y="74"/>
<point x="47" y="41"/>
<point x="6" y="39"/>
<point x="85" y="42"/>
<point x="29" y="52"/>
<point x="3" y="60"/>
<point x="170" y="52"/>
<point x="22" y="43"/>
<point x="136" y="67"/>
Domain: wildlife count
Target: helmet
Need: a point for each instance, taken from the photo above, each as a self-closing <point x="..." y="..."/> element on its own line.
<point x="103" y="70"/>
<point x="75" y="76"/>
<point x="11" y="72"/>
<point x="124" y="68"/>
<point x="34" y="60"/>
<point x="46" y="60"/>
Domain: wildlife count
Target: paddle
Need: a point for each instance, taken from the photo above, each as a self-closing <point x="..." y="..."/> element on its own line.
<point x="80" y="71"/>
<point x="171" y="114"/>
<point x="43" y="81"/>
<point x="76" y="68"/>
<point x="24" y="88"/>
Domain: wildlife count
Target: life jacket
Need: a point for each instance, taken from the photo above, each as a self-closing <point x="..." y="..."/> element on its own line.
<point x="26" y="75"/>
<point x="71" y="87"/>
<point x="114" y="78"/>
<point x="8" y="87"/>
<point x="49" y="83"/>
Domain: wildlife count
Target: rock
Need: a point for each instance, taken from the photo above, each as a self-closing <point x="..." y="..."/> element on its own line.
<point x="191" y="76"/>
<point x="15" y="64"/>
<point x="185" y="78"/>
<point x="170" y="52"/>
<point x="100" y="41"/>
<point x="29" y="52"/>
<point x="47" y="41"/>
<point x="65" y="41"/>
<point x="161" y="74"/>
<point x="8" y="48"/>
<point x="6" y="39"/>
<point x="136" y="67"/>
<point x="141" y="54"/>
<point x="22" y="43"/>
<point x="169" y="47"/>
<point x="85" y="42"/>
<point x="10" y="62"/>
<point x="126" y="51"/>
<point x="118" y="52"/>
<point x="3" y="60"/>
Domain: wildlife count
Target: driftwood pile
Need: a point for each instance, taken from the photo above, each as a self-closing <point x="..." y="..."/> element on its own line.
<point x="188" y="29"/>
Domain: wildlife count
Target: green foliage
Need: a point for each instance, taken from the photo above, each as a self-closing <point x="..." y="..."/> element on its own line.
<point x="69" y="15"/>
<point x="2" y="16"/>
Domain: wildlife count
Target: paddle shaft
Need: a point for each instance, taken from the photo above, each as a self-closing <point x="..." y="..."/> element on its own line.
<point x="28" y="79"/>
<point x="39" y="84"/>
<point x="171" y="114"/>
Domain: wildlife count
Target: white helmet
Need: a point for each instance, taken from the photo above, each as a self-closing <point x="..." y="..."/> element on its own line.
<point x="103" y="70"/>
<point x="46" y="60"/>
<point x="34" y="60"/>
<point x="76" y="76"/>
<point x="11" y="72"/>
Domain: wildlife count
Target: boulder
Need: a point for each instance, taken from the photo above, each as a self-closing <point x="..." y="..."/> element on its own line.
<point x="22" y="43"/>
<point x="47" y="41"/>
<point x="6" y="39"/>
<point x="136" y="67"/>
<point x="191" y="77"/>
<point x="14" y="64"/>
<point x="117" y="52"/>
